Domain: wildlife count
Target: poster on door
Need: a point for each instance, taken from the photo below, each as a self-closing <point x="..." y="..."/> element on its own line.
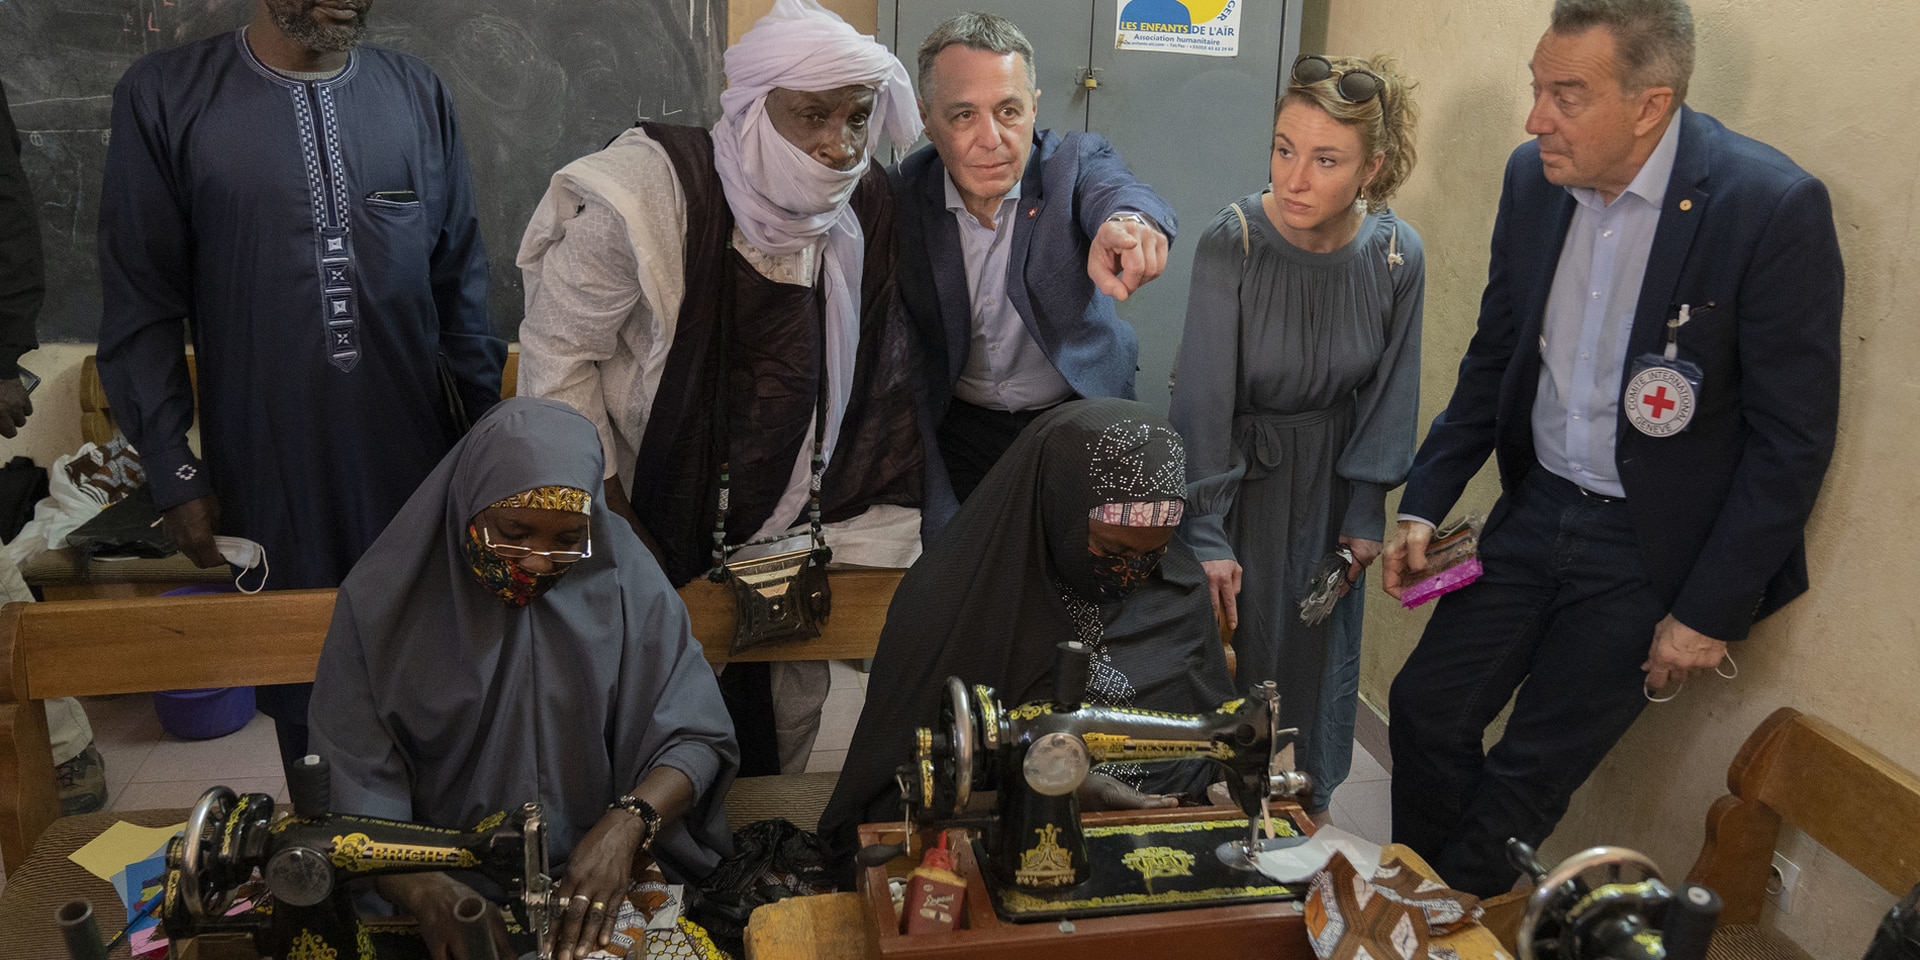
<point x="1208" y="28"/>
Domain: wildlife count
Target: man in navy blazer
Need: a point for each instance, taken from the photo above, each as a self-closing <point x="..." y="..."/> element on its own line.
<point x="1656" y="368"/>
<point x="1013" y="247"/>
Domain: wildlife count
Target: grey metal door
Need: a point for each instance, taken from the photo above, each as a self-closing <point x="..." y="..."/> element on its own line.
<point x="1198" y="128"/>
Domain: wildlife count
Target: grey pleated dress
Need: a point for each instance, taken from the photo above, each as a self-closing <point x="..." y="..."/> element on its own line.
<point x="1296" y="389"/>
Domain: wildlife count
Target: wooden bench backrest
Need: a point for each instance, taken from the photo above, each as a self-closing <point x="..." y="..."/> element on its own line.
<point x="1840" y="792"/>
<point x="76" y="648"/>
<point x="96" y="415"/>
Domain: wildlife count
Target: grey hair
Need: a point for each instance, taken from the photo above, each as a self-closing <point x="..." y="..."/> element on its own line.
<point x="1653" y="39"/>
<point x="975" y="31"/>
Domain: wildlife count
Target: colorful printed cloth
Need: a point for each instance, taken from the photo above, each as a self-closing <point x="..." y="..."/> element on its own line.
<point x="1395" y="916"/>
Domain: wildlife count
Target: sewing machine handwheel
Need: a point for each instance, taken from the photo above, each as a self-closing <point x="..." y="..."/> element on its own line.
<point x="212" y="810"/>
<point x="1566" y="885"/>
<point x="960" y="720"/>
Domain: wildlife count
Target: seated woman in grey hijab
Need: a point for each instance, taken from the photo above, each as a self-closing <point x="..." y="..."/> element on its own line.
<point x="1069" y="537"/>
<point x="506" y="639"/>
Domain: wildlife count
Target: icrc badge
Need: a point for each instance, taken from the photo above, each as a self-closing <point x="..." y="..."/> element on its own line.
<point x="1659" y="401"/>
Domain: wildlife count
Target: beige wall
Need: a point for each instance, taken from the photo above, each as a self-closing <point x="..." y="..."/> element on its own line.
<point x="54" y="428"/>
<point x="1833" y="84"/>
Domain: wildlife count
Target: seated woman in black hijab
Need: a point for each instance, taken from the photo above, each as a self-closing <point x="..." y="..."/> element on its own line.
<point x="1070" y="536"/>
<point x="506" y="639"/>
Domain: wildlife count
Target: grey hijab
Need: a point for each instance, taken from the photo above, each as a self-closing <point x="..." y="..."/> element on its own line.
<point x="437" y="702"/>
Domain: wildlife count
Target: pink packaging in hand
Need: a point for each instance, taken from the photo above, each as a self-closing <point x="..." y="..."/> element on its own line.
<point x="1453" y="561"/>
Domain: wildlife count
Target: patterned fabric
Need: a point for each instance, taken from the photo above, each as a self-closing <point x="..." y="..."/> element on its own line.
<point x="566" y="499"/>
<point x="1134" y="461"/>
<point x="105" y="474"/>
<point x="1107" y="685"/>
<point x="1395" y="916"/>
<point x="1159" y="513"/>
<point x="511" y="582"/>
<point x="1448" y="910"/>
<point x="1115" y="577"/>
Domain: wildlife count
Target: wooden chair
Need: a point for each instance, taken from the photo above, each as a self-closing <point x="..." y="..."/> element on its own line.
<point x="1843" y="794"/>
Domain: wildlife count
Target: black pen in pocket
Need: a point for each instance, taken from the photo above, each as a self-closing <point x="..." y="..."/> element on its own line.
<point x="394" y="196"/>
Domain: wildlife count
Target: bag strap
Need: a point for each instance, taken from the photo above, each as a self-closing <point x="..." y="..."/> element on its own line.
<point x="722" y="431"/>
<point x="1246" y="249"/>
<point x="1246" y="241"/>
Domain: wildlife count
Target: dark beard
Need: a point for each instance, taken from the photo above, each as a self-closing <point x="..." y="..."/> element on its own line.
<point x="314" y="35"/>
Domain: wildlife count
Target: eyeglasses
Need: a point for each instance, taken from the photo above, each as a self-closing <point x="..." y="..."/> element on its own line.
<point x="513" y="551"/>
<point x="1355" y="86"/>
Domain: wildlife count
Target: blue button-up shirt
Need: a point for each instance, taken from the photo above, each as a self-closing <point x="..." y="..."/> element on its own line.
<point x="1006" y="369"/>
<point x="1583" y="341"/>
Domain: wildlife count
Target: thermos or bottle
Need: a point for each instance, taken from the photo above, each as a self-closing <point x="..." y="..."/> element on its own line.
<point x="934" y="893"/>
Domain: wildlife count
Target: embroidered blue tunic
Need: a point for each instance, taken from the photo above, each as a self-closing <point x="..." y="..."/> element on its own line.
<point x="320" y="241"/>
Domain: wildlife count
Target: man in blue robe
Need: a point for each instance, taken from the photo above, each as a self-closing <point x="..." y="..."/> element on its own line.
<point x="302" y="204"/>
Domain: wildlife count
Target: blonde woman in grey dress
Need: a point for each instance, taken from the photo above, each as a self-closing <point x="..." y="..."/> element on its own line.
<point x="1297" y="387"/>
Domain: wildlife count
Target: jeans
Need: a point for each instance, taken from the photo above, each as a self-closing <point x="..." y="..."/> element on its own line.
<point x="1564" y="613"/>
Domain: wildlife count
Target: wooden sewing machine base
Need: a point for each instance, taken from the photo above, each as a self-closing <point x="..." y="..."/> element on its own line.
<point x="1265" y="929"/>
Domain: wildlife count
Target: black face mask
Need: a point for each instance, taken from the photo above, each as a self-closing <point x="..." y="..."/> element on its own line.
<point x="1115" y="577"/>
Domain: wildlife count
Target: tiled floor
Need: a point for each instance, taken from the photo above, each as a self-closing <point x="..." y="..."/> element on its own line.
<point x="148" y="768"/>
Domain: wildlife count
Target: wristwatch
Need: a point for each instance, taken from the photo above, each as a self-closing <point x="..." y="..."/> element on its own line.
<point x="649" y="817"/>
<point x="1128" y="216"/>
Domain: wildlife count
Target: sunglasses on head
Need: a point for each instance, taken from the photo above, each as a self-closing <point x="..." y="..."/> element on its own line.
<point x="1355" y="86"/>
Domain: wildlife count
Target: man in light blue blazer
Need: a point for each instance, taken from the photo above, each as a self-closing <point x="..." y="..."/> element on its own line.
<point x="1013" y="245"/>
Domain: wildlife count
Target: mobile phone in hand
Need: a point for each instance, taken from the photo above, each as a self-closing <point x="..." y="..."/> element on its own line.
<point x="29" y="379"/>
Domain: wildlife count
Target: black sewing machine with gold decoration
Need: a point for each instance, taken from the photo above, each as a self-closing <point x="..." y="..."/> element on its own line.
<point x="296" y="871"/>
<point x="1040" y="863"/>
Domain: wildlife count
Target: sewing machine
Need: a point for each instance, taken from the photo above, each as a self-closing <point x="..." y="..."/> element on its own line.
<point x="1036" y="755"/>
<point x="1610" y="903"/>
<point x="306" y="860"/>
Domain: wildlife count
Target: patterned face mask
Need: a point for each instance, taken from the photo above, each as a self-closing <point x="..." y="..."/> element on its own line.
<point x="513" y="584"/>
<point x="1118" y="576"/>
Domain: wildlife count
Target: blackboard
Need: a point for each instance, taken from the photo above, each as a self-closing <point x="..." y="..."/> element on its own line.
<point x="537" y="83"/>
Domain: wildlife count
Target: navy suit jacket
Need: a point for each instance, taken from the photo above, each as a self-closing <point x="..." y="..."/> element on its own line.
<point x="1071" y="186"/>
<point x="1720" y="507"/>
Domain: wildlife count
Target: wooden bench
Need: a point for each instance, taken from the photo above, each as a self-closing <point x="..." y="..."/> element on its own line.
<point x="1841" y="793"/>
<point x="66" y="575"/>
<point x="80" y="648"/>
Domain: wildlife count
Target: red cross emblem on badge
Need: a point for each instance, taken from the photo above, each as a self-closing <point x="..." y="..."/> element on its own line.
<point x="1658" y="403"/>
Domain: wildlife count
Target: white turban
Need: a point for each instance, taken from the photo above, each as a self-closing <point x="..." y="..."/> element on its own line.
<point x="782" y="198"/>
<point x="801" y="45"/>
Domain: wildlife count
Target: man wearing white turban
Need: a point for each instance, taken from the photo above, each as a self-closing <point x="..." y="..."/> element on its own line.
<point x="703" y="296"/>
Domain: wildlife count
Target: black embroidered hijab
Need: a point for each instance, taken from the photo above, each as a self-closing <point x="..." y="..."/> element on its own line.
<point x="1012" y="575"/>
